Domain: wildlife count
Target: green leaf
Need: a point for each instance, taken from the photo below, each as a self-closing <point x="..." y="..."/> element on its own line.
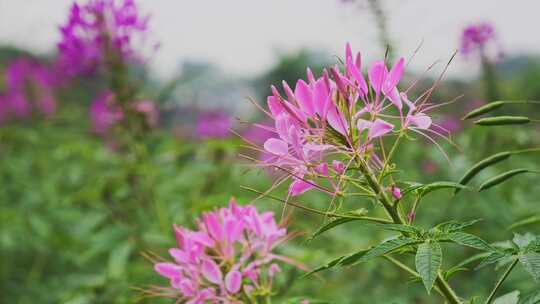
<point x="531" y="262"/>
<point x="400" y="228"/>
<point x="118" y="260"/>
<point x="453" y="226"/>
<point x="387" y="247"/>
<point x="523" y="240"/>
<point x="494" y="257"/>
<point x="509" y="298"/>
<point x="340" y="261"/>
<point x="450" y="272"/>
<point x="530" y="298"/>
<point x="330" y="225"/>
<point x="527" y="221"/>
<point x="502" y="177"/>
<point x="481" y="165"/>
<point x="428" y="261"/>
<point x="469" y="240"/>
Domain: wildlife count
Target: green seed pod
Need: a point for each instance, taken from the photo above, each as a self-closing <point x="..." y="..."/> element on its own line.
<point x="501" y="178"/>
<point x="481" y="165"/>
<point x="503" y="120"/>
<point x="484" y="109"/>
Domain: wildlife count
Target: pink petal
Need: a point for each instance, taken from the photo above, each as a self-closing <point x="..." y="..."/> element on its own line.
<point x="320" y="97"/>
<point x="274" y="106"/>
<point x="377" y="74"/>
<point x="421" y="120"/>
<point x="304" y="97"/>
<point x="211" y="271"/>
<point x="310" y="76"/>
<point x="395" y="75"/>
<point x="288" y="91"/>
<point x="322" y="169"/>
<point x="379" y="128"/>
<point x="276" y="146"/>
<point x="298" y="187"/>
<point x="273" y="269"/>
<point x="337" y="120"/>
<point x="167" y="270"/>
<point x="233" y="281"/>
<point x="338" y="166"/>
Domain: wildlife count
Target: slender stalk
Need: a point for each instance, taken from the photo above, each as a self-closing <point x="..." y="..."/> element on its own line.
<point x="441" y="283"/>
<point x="500" y="281"/>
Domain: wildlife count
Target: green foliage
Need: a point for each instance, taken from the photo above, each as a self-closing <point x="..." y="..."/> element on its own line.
<point x="428" y="262"/>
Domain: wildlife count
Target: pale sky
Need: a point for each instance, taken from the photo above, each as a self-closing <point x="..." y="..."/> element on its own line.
<point x="243" y="36"/>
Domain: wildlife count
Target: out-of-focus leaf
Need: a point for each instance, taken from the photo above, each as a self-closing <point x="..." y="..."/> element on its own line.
<point x="509" y="298"/>
<point x="428" y="261"/>
<point x="530" y="298"/>
<point x="535" y="219"/>
<point x="118" y="259"/>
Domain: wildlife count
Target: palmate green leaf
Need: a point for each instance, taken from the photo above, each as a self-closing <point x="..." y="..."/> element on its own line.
<point x="387" y="247"/>
<point x="401" y="228"/>
<point x="469" y="240"/>
<point x="428" y="261"/>
<point x="531" y="262"/>
<point x="509" y="298"/>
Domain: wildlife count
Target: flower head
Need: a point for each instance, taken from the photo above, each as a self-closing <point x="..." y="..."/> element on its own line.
<point x="98" y="32"/>
<point x="213" y="124"/>
<point x="476" y="37"/>
<point x="29" y="89"/>
<point x="228" y="256"/>
<point x="341" y="116"/>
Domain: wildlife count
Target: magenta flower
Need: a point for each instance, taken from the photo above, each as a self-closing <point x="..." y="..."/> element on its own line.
<point x="341" y="114"/>
<point x="104" y="113"/>
<point x="213" y="124"/>
<point x="475" y="38"/>
<point x="228" y="258"/>
<point x="100" y="32"/>
<point x="30" y="89"/>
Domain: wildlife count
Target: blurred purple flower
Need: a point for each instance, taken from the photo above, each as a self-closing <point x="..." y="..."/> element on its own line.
<point x="104" y="114"/>
<point x="98" y="32"/>
<point x="213" y="124"/>
<point x="449" y="124"/>
<point x="29" y="86"/>
<point x="476" y="37"/>
<point x="258" y="133"/>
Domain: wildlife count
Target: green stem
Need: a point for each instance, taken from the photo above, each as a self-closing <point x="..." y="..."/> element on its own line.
<point x="446" y="290"/>
<point x="500" y="281"/>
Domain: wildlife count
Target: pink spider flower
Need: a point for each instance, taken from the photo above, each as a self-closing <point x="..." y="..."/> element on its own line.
<point x="341" y="113"/>
<point x="100" y="32"/>
<point x="230" y="256"/>
<point x="213" y="124"/>
<point x="30" y="89"/>
<point x="476" y="38"/>
<point x="105" y="112"/>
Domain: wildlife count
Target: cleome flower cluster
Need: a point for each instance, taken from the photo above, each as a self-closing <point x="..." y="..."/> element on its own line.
<point x="325" y="124"/>
<point x="229" y="259"/>
<point x="30" y="90"/>
<point x="97" y="32"/>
